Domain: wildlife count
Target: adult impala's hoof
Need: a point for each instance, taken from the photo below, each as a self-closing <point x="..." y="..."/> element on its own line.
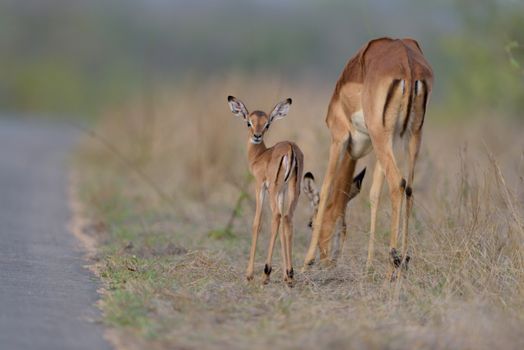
<point x="328" y="263"/>
<point x="249" y="277"/>
<point x="405" y="262"/>
<point x="395" y="258"/>
<point x="308" y="264"/>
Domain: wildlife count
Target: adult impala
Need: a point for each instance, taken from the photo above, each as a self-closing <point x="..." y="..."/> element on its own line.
<point x="380" y="96"/>
<point x="277" y="170"/>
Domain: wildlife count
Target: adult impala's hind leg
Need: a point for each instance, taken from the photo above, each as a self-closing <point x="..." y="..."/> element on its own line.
<point x="384" y="150"/>
<point x="374" y="200"/>
<point x="260" y="192"/>
<point x="415" y="138"/>
<point x="413" y="150"/>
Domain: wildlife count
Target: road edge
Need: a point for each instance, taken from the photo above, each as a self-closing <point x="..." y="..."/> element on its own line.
<point x="78" y="225"/>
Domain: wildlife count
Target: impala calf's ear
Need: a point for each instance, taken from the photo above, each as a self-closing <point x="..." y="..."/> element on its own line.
<point x="280" y="110"/>
<point x="237" y="107"/>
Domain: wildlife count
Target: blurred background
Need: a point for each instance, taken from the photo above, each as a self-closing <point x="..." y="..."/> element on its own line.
<point x="77" y="58"/>
<point x="164" y="172"/>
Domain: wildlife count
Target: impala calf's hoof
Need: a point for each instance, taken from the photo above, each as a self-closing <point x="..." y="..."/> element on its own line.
<point x="267" y="272"/>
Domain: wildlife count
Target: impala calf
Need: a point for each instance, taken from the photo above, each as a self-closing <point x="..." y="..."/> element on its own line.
<point x="278" y="171"/>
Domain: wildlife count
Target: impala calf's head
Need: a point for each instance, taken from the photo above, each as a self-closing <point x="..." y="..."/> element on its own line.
<point x="258" y="122"/>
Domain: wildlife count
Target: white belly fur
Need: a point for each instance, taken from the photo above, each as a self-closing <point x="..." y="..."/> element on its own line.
<point x="360" y="140"/>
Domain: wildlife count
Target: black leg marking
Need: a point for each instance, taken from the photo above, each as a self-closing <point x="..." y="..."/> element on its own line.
<point x="403" y="184"/>
<point x="395" y="257"/>
<point x="267" y="269"/>
<point x="424" y="103"/>
<point x="290" y="273"/>
<point x="409" y="191"/>
<point x="406" y="262"/>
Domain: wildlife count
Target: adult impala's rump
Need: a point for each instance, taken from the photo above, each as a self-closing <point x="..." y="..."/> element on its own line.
<point x="277" y="170"/>
<point x="380" y="96"/>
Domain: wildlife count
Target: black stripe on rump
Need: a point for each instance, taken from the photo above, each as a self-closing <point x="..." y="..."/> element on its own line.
<point x="424" y="103"/>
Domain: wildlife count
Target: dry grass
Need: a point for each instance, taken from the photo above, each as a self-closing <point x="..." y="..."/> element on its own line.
<point x="172" y="286"/>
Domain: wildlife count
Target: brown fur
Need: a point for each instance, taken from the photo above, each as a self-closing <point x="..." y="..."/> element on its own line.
<point x="379" y="81"/>
<point x="268" y="166"/>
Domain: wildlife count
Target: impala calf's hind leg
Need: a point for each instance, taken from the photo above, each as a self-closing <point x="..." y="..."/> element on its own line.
<point x="382" y="145"/>
<point x="293" y="194"/>
<point x="275" y="225"/>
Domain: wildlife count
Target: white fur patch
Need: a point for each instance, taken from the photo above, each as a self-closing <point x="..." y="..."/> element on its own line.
<point x="280" y="200"/>
<point x="360" y="140"/>
<point x="419" y="86"/>
<point x="291" y="167"/>
<point x="288" y="164"/>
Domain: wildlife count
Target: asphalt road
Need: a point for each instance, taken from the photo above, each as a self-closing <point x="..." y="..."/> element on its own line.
<point x="46" y="295"/>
